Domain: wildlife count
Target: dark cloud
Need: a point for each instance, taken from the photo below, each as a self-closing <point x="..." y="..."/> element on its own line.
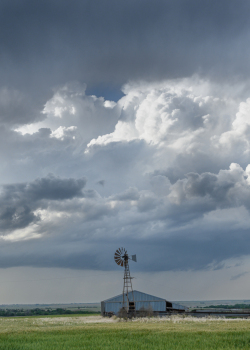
<point x="52" y="188"/>
<point x="19" y="201"/>
<point x="176" y="253"/>
<point x="227" y="189"/>
<point x="16" y="215"/>
<point x="48" y="43"/>
<point x="16" y="108"/>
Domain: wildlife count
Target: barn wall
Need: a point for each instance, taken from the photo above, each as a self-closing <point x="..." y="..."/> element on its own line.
<point x="113" y="307"/>
<point x="155" y="305"/>
<point x="116" y="306"/>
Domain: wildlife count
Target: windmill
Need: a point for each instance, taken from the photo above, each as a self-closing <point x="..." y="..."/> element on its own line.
<point x="121" y="258"/>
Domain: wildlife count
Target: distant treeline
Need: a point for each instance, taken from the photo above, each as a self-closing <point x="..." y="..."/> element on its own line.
<point x="35" y="312"/>
<point x="236" y="306"/>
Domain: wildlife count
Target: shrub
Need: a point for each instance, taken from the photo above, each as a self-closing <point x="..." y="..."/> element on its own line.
<point x="145" y="312"/>
<point x="123" y="313"/>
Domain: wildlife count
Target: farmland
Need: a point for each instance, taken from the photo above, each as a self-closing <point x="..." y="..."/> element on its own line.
<point x="94" y="332"/>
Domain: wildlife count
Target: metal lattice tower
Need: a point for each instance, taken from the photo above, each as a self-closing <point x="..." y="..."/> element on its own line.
<point x="127" y="286"/>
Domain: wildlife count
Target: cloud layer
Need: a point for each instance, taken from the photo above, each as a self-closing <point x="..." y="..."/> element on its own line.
<point x="108" y="44"/>
<point x="164" y="171"/>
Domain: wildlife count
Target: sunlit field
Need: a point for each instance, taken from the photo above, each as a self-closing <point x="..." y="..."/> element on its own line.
<point x="95" y="332"/>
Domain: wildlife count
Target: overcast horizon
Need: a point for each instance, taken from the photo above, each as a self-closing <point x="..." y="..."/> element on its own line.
<point x="124" y="124"/>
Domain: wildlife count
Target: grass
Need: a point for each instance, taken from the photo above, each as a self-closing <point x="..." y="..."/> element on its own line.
<point x="174" y="333"/>
<point x="55" y="316"/>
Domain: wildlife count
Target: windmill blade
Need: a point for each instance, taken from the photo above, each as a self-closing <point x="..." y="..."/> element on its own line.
<point x="119" y="262"/>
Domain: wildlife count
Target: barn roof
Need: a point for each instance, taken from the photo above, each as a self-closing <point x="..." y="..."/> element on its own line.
<point x="138" y="296"/>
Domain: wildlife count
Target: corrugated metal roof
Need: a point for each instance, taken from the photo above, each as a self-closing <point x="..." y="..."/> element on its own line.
<point x="179" y="307"/>
<point x="138" y="296"/>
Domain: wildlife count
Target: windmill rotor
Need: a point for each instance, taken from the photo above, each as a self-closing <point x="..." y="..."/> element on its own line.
<point x="120" y="255"/>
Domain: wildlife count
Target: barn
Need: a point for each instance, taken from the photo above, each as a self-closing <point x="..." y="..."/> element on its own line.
<point x="142" y="300"/>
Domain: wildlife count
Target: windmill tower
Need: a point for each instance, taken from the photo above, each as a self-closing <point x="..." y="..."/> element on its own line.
<point x="121" y="258"/>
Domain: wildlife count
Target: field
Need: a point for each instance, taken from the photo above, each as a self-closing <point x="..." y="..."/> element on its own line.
<point x="94" y="332"/>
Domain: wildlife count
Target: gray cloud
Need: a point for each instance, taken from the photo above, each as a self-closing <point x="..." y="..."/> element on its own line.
<point x="19" y="201"/>
<point x="230" y="188"/>
<point x="167" y="171"/>
<point x="233" y="278"/>
<point x="209" y="252"/>
<point x="129" y="195"/>
<point x="50" y="187"/>
<point x="16" y="108"/>
<point x="110" y="43"/>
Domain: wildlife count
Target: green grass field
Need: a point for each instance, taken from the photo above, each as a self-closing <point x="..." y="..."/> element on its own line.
<point x="93" y="332"/>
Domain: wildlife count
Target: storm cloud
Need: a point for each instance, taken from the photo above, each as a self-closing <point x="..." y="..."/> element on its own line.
<point x="19" y="201"/>
<point x="149" y="194"/>
<point x="106" y="44"/>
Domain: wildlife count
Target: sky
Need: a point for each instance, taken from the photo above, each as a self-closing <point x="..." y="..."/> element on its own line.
<point x="124" y="124"/>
